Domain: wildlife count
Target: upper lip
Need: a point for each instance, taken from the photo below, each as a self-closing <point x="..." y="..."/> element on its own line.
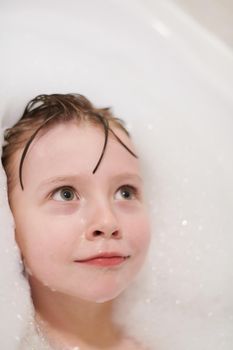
<point x="105" y="255"/>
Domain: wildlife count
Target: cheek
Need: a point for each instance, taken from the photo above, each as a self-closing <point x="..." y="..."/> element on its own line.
<point x="138" y="233"/>
<point x="42" y="244"/>
<point x="45" y="255"/>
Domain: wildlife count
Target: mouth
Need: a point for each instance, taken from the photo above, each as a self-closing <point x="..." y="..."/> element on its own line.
<point x="105" y="259"/>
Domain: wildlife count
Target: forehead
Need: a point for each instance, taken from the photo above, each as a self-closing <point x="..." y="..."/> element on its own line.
<point x="69" y="147"/>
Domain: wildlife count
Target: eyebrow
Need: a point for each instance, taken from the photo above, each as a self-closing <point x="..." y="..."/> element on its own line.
<point x="72" y="178"/>
<point x="57" y="179"/>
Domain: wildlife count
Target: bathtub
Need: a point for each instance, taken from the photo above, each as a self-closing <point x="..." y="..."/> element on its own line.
<point x="172" y="81"/>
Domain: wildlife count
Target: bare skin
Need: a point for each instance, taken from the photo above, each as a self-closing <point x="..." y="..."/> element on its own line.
<point x="103" y="213"/>
<point x="90" y="327"/>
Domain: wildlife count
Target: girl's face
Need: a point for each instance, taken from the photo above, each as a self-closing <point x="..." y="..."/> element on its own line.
<point x="67" y="215"/>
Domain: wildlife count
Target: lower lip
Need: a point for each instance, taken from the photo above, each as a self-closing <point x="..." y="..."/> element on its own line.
<point x="104" y="261"/>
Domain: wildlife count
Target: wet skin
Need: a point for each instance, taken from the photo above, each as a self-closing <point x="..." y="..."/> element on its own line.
<point x="67" y="214"/>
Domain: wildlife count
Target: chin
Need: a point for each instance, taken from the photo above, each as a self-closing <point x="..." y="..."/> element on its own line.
<point x="105" y="288"/>
<point x="101" y="294"/>
<point x="104" y="297"/>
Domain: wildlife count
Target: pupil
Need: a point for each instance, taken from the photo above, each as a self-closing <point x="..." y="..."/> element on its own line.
<point x="125" y="194"/>
<point x="67" y="194"/>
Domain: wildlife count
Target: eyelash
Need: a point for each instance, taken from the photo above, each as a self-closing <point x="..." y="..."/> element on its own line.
<point x="133" y="189"/>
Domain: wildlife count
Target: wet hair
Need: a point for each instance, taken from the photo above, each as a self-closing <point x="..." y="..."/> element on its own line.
<point x="46" y="111"/>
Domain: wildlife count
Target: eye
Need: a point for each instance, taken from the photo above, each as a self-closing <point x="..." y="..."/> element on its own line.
<point x="126" y="192"/>
<point x="64" y="194"/>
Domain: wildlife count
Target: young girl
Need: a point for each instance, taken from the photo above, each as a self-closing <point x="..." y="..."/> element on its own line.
<point x="76" y="194"/>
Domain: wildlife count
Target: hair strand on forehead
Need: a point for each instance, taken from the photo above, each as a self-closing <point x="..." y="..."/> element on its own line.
<point x="122" y="143"/>
<point x="106" y="129"/>
<point x="27" y="147"/>
<point x="43" y="112"/>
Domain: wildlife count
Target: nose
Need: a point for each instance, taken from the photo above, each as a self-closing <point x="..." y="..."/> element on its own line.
<point x="103" y="224"/>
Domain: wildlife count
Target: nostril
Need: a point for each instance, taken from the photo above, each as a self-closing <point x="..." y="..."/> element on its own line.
<point x="97" y="233"/>
<point x="115" y="233"/>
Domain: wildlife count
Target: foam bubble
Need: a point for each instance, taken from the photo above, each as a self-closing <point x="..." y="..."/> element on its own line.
<point x="172" y="83"/>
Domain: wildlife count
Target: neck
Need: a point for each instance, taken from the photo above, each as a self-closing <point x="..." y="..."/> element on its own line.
<point x="72" y="321"/>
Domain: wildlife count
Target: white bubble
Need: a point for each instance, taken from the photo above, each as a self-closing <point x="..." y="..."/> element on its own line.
<point x="156" y="72"/>
<point x="19" y="317"/>
<point x="184" y="222"/>
<point x="150" y="126"/>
